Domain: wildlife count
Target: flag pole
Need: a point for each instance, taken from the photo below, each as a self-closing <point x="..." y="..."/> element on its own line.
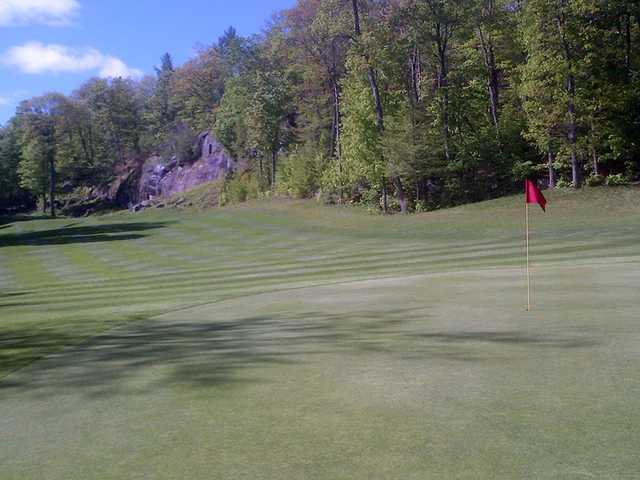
<point x="526" y="214"/>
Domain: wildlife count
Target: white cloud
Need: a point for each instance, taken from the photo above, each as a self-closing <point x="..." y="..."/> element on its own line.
<point x="114" y="67"/>
<point x="47" y="12"/>
<point x="35" y="58"/>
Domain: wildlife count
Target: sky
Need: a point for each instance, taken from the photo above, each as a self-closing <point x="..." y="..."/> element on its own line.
<point x="55" y="45"/>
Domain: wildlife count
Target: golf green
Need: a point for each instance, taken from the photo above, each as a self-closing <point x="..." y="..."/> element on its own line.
<point x="289" y="340"/>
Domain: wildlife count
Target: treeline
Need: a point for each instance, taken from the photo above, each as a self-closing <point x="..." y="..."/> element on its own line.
<point x="400" y="104"/>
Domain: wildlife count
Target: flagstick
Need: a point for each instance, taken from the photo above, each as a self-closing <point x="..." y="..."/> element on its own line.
<point x="526" y="209"/>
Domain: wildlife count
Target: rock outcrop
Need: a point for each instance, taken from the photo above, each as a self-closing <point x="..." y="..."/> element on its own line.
<point x="140" y="183"/>
<point x="161" y="179"/>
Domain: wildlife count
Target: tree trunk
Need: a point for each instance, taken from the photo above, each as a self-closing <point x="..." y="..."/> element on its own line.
<point x="551" y="169"/>
<point x="572" y="133"/>
<point x="385" y="201"/>
<point x="445" y="114"/>
<point x="416" y="74"/>
<point x="594" y="157"/>
<point x="334" y="140"/>
<point x="493" y="86"/>
<point x="402" y="199"/>
<point x="52" y="185"/>
<point x="335" y="91"/>
<point x="443" y="88"/>
<point x="274" y="155"/>
<point x="376" y="98"/>
<point x="373" y="83"/>
<point x="335" y="127"/>
<point x="356" y="17"/>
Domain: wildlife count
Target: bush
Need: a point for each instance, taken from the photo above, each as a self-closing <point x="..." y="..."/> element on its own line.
<point x="563" y="183"/>
<point x="370" y="198"/>
<point x="617" y="180"/>
<point x="238" y="190"/>
<point x="300" y="173"/>
<point x="595" y="181"/>
<point x="393" y="205"/>
<point x="421" y="206"/>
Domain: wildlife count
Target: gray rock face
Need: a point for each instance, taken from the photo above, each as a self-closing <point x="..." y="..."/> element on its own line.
<point x="164" y="180"/>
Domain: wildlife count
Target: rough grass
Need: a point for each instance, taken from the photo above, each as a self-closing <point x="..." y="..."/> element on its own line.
<point x="289" y="340"/>
<point x="206" y="195"/>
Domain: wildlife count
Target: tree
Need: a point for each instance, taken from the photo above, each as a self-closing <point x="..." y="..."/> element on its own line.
<point x="38" y="119"/>
<point x="12" y="195"/>
<point x="555" y="66"/>
<point x="161" y="112"/>
<point x="268" y="115"/>
<point x="116" y="121"/>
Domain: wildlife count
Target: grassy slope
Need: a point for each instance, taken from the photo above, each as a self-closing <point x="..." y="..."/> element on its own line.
<point x="434" y="369"/>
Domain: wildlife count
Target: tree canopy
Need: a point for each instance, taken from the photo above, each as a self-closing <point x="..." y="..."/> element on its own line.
<point x="407" y="104"/>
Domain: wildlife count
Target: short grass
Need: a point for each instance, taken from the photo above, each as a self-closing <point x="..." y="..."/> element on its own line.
<point x="285" y="339"/>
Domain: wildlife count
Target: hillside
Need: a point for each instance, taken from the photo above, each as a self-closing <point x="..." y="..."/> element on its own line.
<point x="295" y="340"/>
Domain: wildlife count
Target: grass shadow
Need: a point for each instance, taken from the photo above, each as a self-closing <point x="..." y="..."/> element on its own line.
<point x="203" y="352"/>
<point x="9" y="219"/>
<point x="71" y="234"/>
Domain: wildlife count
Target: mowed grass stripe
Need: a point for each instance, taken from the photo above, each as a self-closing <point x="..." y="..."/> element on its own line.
<point x="140" y="293"/>
<point x="422" y="259"/>
<point x="235" y="274"/>
<point x="213" y="287"/>
<point x="144" y="260"/>
<point x="27" y="269"/>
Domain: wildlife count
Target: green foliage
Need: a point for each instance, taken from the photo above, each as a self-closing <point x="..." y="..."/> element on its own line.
<point x="160" y="111"/>
<point x="230" y="126"/>
<point x="112" y="128"/>
<point x="39" y="120"/>
<point x="563" y="183"/>
<point x="239" y="189"/>
<point x="266" y="114"/>
<point x="253" y="118"/>
<point x="362" y="153"/>
<point x="617" y="180"/>
<point x="420" y="207"/>
<point x="301" y="172"/>
<point x="12" y="194"/>
<point x="434" y="101"/>
<point x="595" y="180"/>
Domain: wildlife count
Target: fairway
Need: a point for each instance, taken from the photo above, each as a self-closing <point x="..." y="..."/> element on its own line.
<point x="285" y="339"/>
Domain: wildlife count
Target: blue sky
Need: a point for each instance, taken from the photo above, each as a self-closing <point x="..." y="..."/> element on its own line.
<point x="54" y="45"/>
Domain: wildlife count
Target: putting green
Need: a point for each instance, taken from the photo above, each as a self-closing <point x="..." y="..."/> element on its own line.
<point x="331" y="362"/>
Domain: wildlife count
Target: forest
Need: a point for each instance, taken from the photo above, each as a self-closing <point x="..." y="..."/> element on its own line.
<point x="398" y="105"/>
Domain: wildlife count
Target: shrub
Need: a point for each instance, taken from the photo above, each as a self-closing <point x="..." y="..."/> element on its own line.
<point x="563" y="183"/>
<point x="371" y="198"/>
<point x="421" y="206"/>
<point x="617" y="180"/>
<point x="238" y="190"/>
<point x="300" y="173"/>
<point x="393" y="205"/>
<point x="595" y="180"/>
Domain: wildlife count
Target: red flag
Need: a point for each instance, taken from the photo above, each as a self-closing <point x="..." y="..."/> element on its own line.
<point x="533" y="194"/>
